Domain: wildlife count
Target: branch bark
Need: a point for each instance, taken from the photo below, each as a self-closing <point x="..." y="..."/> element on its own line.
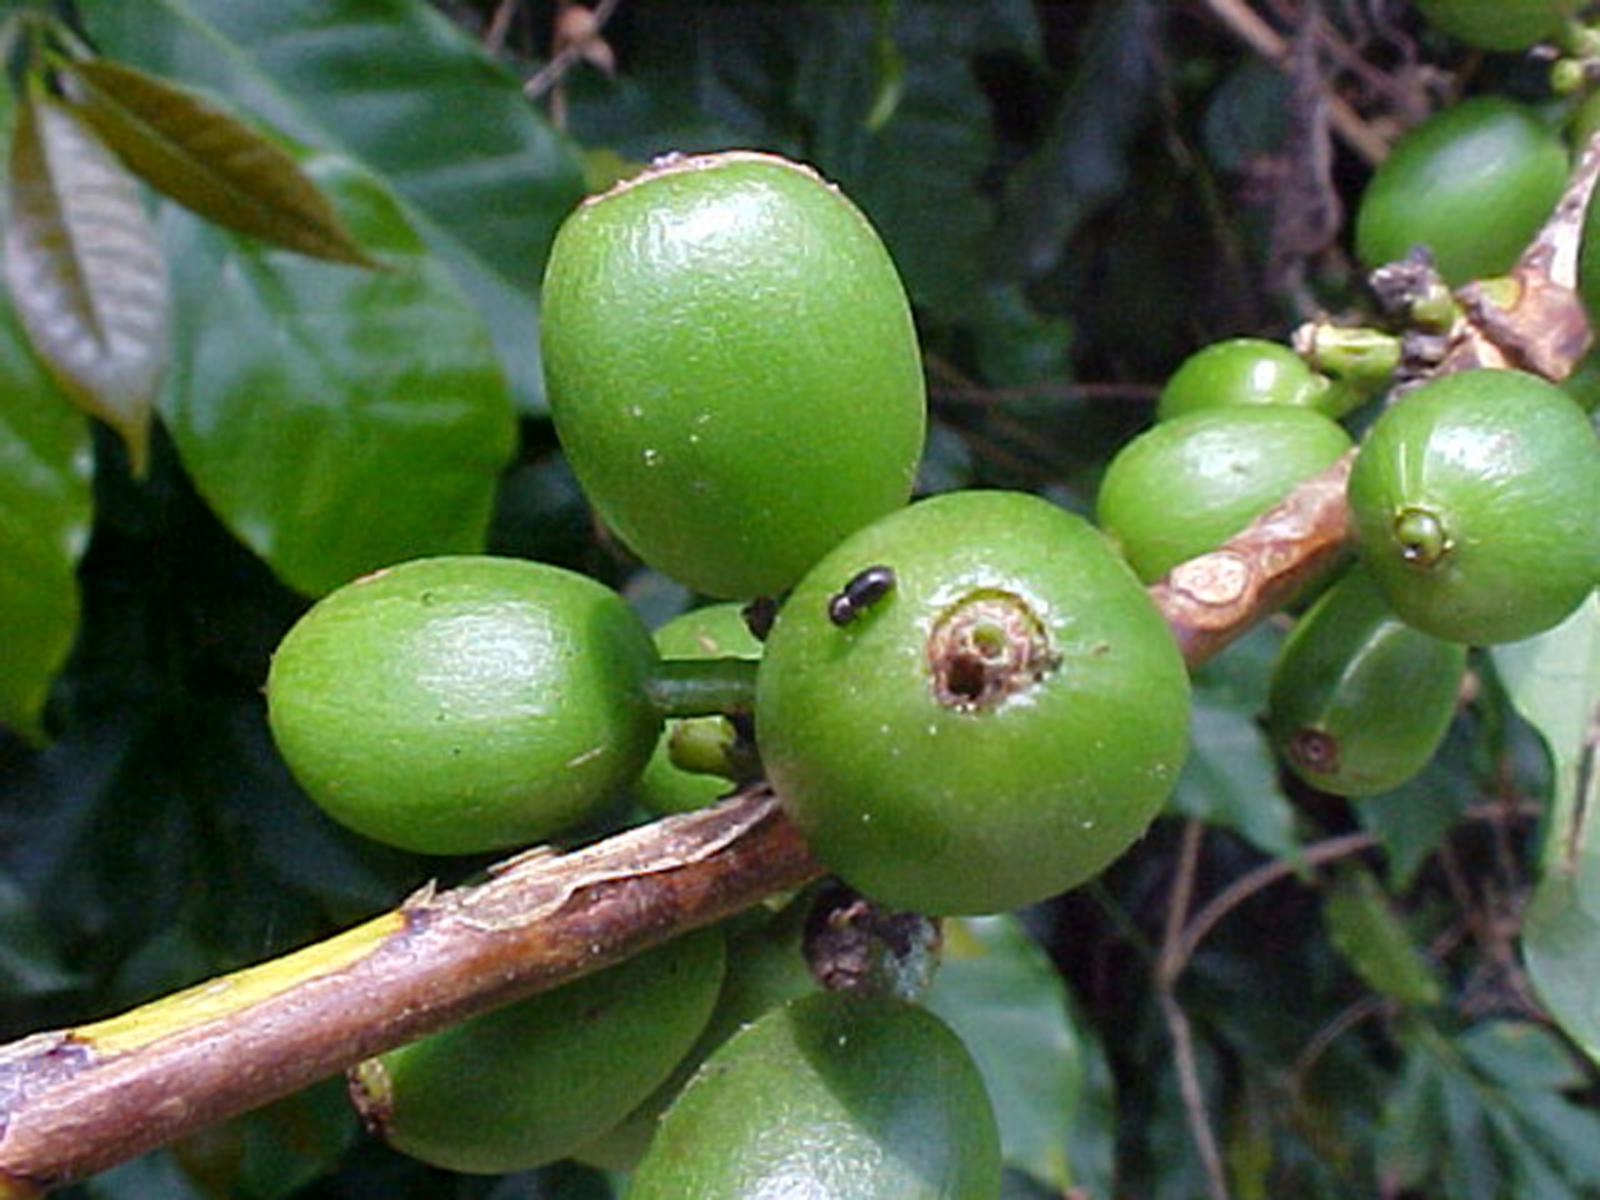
<point x="77" y="1101"/>
<point x="73" y="1102"/>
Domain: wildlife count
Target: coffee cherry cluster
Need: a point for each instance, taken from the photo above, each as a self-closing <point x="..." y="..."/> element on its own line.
<point x="967" y="704"/>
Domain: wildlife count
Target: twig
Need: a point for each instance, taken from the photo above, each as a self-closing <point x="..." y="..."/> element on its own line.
<point x="1210" y="600"/>
<point x="1169" y="966"/>
<point x="957" y="386"/>
<point x="1267" y="874"/>
<point x="78" y="1101"/>
<point x="1177" y="1021"/>
<point x="73" y="1102"/>
<point x="550" y="74"/>
<point x="1193" y="1095"/>
<point x="1243" y="22"/>
<point x="494" y="39"/>
<point x="1305" y="1062"/>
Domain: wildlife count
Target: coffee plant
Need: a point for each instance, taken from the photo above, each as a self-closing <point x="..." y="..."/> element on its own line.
<point x="869" y="598"/>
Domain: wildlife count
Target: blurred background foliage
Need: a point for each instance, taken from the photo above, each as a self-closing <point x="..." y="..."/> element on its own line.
<point x="1078" y="195"/>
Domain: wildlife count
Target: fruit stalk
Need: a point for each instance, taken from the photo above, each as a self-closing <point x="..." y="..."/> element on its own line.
<point x="77" y="1101"/>
<point x="703" y="687"/>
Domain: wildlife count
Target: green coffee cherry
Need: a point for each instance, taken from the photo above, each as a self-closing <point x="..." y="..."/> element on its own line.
<point x="456" y="705"/>
<point x="995" y="729"/>
<point x="830" y="1096"/>
<point x="532" y="1082"/>
<point x="1499" y="24"/>
<point x="1472" y="183"/>
<point x="1360" y="700"/>
<point x="1186" y="485"/>
<point x="1241" y="371"/>
<point x="717" y="631"/>
<point x="766" y="968"/>
<point x="1476" y="503"/>
<point x="732" y="368"/>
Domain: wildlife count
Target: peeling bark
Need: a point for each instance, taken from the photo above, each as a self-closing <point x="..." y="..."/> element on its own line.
<point x="77" y="1101"/>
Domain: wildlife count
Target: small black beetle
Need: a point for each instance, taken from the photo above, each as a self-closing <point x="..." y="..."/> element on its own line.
<point x="863" y="591"/>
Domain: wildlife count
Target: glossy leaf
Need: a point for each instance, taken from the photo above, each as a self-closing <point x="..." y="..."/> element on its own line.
<point x="1231" y="780"/>
<point x="44" y="525"/>
<point x="1001" y="994"/>
<point x="398" y="87"/>
<point x="85" y="269"/>
<point x="918" y="174"/>
<point x="1231" y="777"/>
<point x="185" y="145"/>
<point x="1372" y="939"/>
<point x="1554" y="681"/>
<point x="336" y="419"/>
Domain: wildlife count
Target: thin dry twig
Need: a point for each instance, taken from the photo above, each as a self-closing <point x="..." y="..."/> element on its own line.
<point x="494" y="38"/>
<point x="1246" y="24"/>
<point x="1177" y="1021"/>
<point x="549" y="75"/>
<point x="1264" y="876"/>
<point x="1311" y="1053"/>
<point x="1194" y="1100"/>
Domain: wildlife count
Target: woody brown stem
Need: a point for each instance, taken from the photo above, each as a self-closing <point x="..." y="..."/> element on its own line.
<point x="77" y="1101"/>
<point x="1211" y="600"/>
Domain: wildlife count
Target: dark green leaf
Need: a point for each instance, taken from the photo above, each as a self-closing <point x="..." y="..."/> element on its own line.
<point x="1085" y="161"/>
<point x="188" y="147"/>
<point x="1566" y="1131"/>
<point x="807" y="80"/>
<point x="1412" y="821"/>
<point x="1520" y="1054"/>
<point x="395" y="85"/>
<point x="1001" y="994"/>
<point x="1470" y="1168"/>
<point x="1373" y="941"/>
<point x="1015" y="344"/>
<point x="29" y="965"/>
<point x="44" y="525"/>
<point x="85" y="269"/>
<point x="1231" y="779"/>
<point x="1469" y="1113"/>
<point x="1411" y="1129"/>
<point x="336" y="419"/>
<point x="1248" y="117"/>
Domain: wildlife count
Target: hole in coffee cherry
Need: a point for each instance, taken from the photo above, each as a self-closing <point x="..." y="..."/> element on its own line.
<point x="987" y="646"/>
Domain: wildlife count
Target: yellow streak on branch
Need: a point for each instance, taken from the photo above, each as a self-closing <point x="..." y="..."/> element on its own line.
<point x="219" y="999"/>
